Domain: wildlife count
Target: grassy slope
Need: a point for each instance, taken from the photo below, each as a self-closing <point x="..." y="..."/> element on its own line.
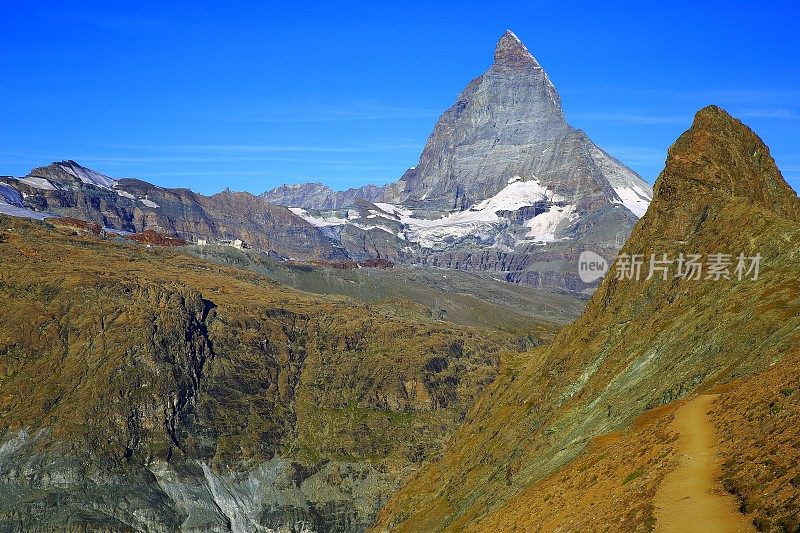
<point x="463" y="298"/>
<point x="150" y="353"/>
<point x="637" y="345"/>
<point x="610" y="487"/>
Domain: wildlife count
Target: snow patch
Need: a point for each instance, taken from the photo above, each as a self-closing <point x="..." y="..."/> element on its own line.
<point x="634" y="198"/>
<point x="319" y="222"/>
<point x="399" y="234"/>
<point x="631" y="190"/>
<point x="22" y="212"/>
<point x="38" y="183"/>
<point x="126" y="194"/>
<point x="517" y="194"/>
<point x="90" y="177"/>
<point x="392" y="209"/>
<point x="544" y="226"/>
<point x="9" y="195"/>
<point x="479" y="221"/>
<point x="149" y="203"/>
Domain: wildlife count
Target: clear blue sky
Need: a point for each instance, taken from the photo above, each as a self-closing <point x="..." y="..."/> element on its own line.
<point x="249" y="95"/>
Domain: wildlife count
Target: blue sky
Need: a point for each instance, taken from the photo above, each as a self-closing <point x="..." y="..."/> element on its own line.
<point x="249" y="95"/>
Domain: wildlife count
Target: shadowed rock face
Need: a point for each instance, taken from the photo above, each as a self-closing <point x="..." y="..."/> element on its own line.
<point x="638" y="344"/>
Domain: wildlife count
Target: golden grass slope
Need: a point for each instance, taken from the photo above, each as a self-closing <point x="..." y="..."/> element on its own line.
<point x="141" y="354"/>
<point x="611" y="485"/>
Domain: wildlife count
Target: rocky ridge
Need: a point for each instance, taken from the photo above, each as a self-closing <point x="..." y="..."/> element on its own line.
<point x="128" y="205"/>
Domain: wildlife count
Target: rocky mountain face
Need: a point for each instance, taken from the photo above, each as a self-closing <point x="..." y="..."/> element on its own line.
<point x="643" y="342"/>
<point x="318" y="196"/>
<point x="508" y="125"/>
<point x="503" y="185"/>
<point x="69" y="189"/>
<point x="145" y="389"/>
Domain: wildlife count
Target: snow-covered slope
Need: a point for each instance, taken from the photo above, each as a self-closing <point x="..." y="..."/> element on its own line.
<point x="547" y="226"/>
<point x="88" y="176"/>
<point x="632" y="191"/>
<point x="318" y="221"/>
<point x="39" y="183"/>
<point x="487" y="220"/>
<point x="495" y="221"/>
<point x="12" y="203"/>
<point x="9" y="195"/>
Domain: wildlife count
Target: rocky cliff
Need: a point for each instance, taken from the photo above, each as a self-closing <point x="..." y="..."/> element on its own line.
<point x="642" y="342"/>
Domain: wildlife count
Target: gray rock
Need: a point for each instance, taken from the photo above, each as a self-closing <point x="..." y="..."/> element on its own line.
<point x="69" y="189"/>
<point x="46" y="486"/>
<point x="319" y="196"/>
<point x="509" y="123"/>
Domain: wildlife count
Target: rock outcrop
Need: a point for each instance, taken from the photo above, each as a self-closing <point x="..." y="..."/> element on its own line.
<point x="319" y="196"/>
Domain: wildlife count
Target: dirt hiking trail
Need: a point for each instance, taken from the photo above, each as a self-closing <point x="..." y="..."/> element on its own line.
<point x="691" y="497"/>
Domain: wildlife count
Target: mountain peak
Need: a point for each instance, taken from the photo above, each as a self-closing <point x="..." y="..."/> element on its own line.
<point x="721" y="155"/>
<point x="511" y="52"/>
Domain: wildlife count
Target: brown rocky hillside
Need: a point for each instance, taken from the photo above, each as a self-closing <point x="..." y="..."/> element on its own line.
<point x="144" y="389"/>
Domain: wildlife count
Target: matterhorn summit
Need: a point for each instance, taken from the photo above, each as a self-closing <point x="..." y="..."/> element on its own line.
<point x="504" y="184"/>
<point x="511" y="52"/>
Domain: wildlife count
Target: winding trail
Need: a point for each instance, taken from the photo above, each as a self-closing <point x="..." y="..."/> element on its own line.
<point x="691" y="498"/>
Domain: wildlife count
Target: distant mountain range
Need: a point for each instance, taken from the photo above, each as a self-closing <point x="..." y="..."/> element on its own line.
<point x="504" y="185"/>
